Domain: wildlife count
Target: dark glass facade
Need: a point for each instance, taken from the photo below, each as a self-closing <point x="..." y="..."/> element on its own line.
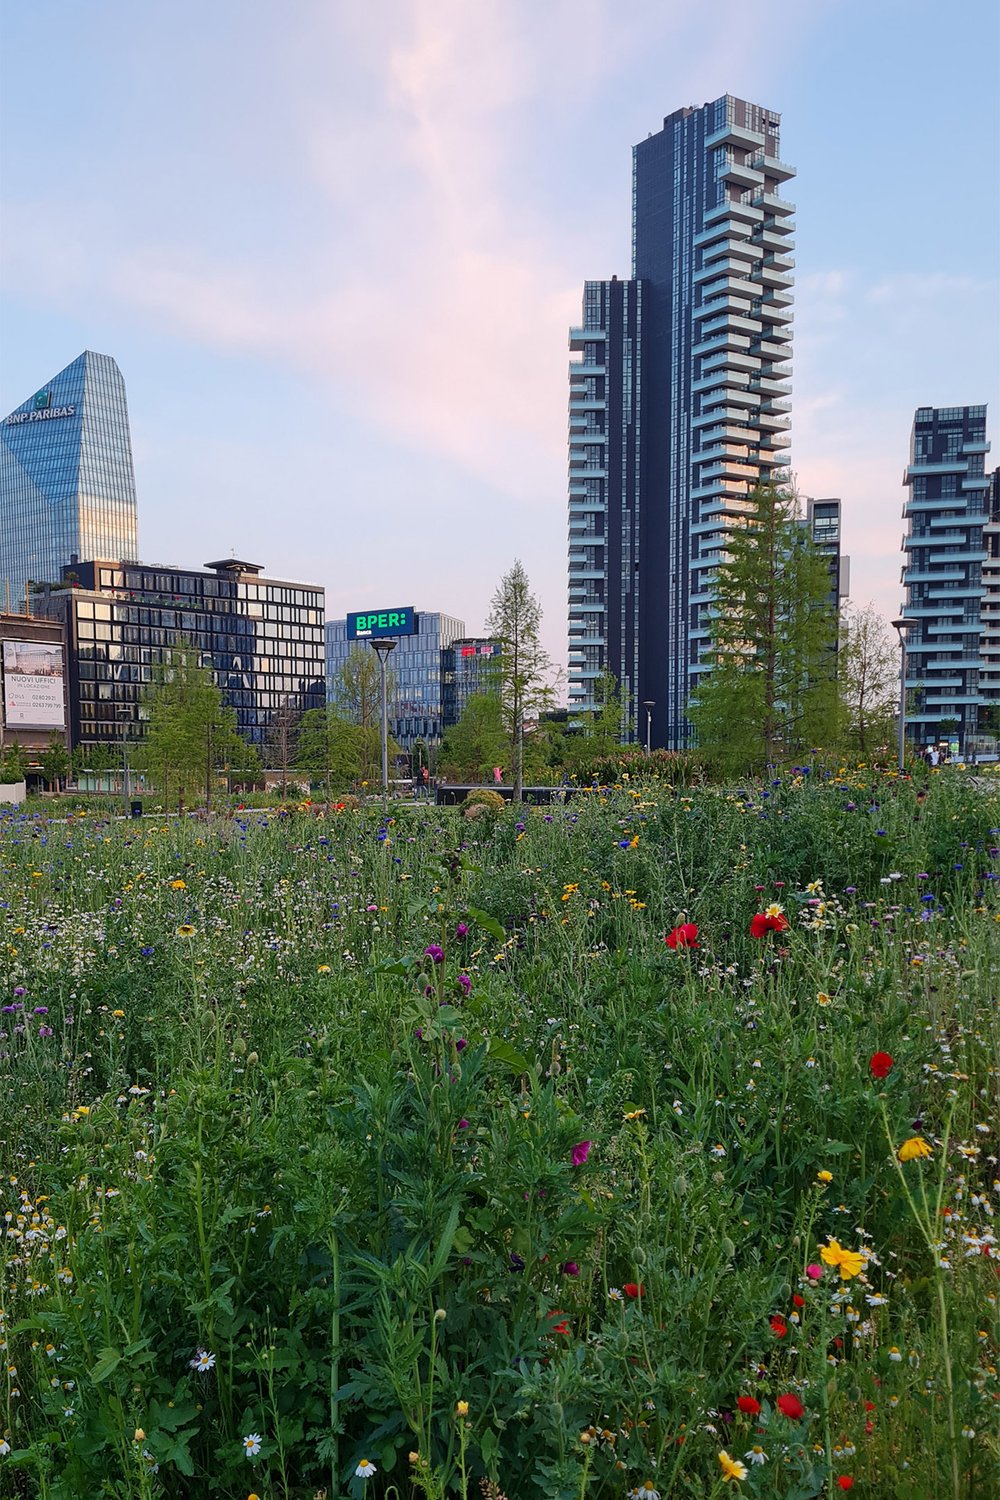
<point x="946" y="512"/>
<point x="691" y="359"/>
<point x="262" y="637"/>
<point x="67" y="486"/>
<point x="468" y="666"/>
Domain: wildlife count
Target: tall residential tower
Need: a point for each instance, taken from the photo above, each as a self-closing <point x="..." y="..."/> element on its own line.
<point x="678" y="405"/>
<point x="67" y="487"/>
<point x="947" y="512"/>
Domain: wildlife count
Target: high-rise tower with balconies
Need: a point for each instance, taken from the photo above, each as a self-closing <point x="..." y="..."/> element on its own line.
<point x="678" y="405"/>
<point x="947" y="513"/>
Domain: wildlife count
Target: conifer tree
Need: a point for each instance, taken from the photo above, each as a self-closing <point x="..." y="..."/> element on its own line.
<point x="770" y="692"/>
<point x="524" y="666"/>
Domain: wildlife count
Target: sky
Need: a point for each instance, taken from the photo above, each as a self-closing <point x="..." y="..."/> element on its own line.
<point x="336" y="248"/>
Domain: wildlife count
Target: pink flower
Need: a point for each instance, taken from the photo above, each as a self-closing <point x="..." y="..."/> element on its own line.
<point x="814" y="1272"/>
<point x="580" y="1153"/>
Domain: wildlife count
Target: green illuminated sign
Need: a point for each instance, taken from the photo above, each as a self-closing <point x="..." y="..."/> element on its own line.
<point x="365" y="625"/>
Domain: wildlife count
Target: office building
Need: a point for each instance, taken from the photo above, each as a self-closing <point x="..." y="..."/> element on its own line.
<point x="67" y="486"/>
<point x="262" y="638"/>
<point x="468" y="666"/>
<point x="416" y="702"/>
<point x="944" y="548"/>
<point x="678" y="405"/>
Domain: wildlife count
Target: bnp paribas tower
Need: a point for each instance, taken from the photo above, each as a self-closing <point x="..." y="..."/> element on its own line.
<point x="679" y="405"/>
<point x="67" y="485"/>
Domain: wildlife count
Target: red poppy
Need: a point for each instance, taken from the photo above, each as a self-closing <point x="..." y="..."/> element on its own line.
<point x="778" y="1327"/>
<point x="562" y="1327"/>
<point x="748" y="1405"/>
<point x="798" y="1301"/>
<point x="761" y="924"/>
<point x="880" y="1064"/>
<point x="845" y="1482"/>
<point x="633" y="1289"/>
<point x="685" y="936"/>
<point x="790" y="1406"/>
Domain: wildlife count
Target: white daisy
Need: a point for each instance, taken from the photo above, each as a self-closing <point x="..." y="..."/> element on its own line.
<point x="365" y="1469"/>
<point x="202" y="1360"/>
<point x="252" y="1444"/>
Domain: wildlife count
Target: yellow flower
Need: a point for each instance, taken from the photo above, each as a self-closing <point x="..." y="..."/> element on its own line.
<point x="731" y="1467"/>
<point x="118" y="1014"/>
<point x="323" y="969"/>
<point x="824" y="1176"/>
<point x="848" y="1262"/>
<point x="914" y="1148"/>
<point x="774" y="910"/>
<point x="461" y="1408"/>
<point x="185" y="930"/>
<point x="634" y="1114"/>
<point x="140" y="1436"/>
<point x="178" y="885"/>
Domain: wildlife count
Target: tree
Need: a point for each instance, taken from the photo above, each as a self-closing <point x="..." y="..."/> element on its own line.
<point x="867" y="680"/>
<point x="357" y="696"/>
<point x="55" y="762"/>
<point x="329" y="746"/>
<point x="280" y="745"/>
<point x="771" y="687"/>
<point x="477" y="743"/>
<point x="190" y="731"/>
<point x="523" y="666"/>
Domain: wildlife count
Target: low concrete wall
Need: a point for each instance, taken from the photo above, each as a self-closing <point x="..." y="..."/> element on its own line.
<point x="12" y="791"/>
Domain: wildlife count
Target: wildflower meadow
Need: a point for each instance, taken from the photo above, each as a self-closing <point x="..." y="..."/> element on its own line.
<point x="640" y="1146"/>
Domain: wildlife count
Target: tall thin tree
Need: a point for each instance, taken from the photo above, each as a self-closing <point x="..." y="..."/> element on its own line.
<point x="524" y="666"/>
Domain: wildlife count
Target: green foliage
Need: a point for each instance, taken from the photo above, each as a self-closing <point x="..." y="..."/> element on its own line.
<point x="485" y="797"/>
<point x="55" y="761"/>
<point x="189" y="731"/>
<point x="357" y="703"/>
<point x="524" y="667"/>
<point x="867" y="682"/>
<point x="771" y="692"/>
<point x="310" y="1095"/>
<point x="13" y="765"/>
<point x="477" y="743"/>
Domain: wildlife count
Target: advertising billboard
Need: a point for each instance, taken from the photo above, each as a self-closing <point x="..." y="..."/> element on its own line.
<point x="365" y="625"/>
<point x="33" y="685"/>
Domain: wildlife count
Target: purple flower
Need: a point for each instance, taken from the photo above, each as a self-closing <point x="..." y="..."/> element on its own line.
<point x="464" y="983"/>
<point x="580" y="1153"/>
<point x="571" y="1268"/>
<point x="19" y="989"/>
<point x="463" y="1124"/>
<point x="45" y="1031"/>
<point x="147" y="952"/>
<point x="41" y="1010"/>
<point x="434" y="953"/>
<point x="461" y="1044"/>
<point x="462" y="929"/>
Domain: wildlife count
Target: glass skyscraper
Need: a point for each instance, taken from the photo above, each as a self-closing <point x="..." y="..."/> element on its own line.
<point x="67" y="486"/>
<point x="947" y="513"/>
<point x="262" y="639"/>
<point x="678" y="405"/>
<point x="416" y="707"/>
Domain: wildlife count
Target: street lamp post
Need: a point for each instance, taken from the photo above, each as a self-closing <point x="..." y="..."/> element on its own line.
<point x="901" y="626"/>
<point x="382" y="648"/>
<point x="123" y="715"/>
<point x="649" y="704"/>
